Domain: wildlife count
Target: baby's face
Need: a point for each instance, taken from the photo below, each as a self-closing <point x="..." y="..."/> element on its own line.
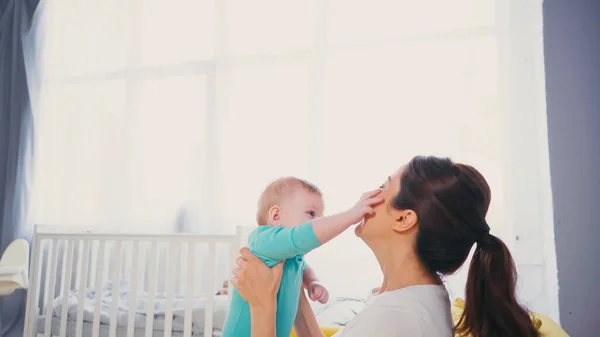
<point x="299" y="208"/>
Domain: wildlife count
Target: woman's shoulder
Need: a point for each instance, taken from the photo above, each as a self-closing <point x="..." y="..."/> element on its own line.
<point x="420" y="311"/>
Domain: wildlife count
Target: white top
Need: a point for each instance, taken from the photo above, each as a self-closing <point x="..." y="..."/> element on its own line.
<point x="415" y="311"/>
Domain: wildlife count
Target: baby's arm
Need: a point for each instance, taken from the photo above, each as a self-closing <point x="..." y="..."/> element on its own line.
<point x="306" y="323"/>
<point x="274" y="244"/>
<point x="309" y="276"/>
<point x="316" y="291"/>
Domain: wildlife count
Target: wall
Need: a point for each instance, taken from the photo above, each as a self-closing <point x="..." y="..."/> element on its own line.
<point x="572" y="60"/>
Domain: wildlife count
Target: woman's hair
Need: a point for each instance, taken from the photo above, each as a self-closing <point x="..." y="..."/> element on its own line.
<point x="451" y="201"/>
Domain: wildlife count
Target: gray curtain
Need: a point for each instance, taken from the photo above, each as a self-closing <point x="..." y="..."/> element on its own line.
<point x="16" y="140"/>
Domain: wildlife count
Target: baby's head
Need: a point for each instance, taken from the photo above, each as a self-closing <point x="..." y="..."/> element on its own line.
<point x="289" y="202"/>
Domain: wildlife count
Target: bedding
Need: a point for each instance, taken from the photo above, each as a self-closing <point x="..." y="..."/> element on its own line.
<point x="220" y="306"/>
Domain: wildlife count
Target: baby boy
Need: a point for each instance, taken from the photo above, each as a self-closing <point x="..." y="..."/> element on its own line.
<point x="286" y="209"/>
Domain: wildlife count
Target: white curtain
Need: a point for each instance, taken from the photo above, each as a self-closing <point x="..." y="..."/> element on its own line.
<point x="173" y="115"/>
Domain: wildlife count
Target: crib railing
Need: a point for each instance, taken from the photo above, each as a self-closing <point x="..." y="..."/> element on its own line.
<point x="65" y="263"/>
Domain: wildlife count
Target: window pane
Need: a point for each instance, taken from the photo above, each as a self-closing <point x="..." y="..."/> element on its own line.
<point x="167" y="149"/>
<point x="80" y="42"/>
<point x="78" y="153"/>
<point x="355" y="20"/>
<point x="108" y="155"/>
<point x="259" y="27"/>
<point x="265" y="134"/>
<point x="177" y="32"/>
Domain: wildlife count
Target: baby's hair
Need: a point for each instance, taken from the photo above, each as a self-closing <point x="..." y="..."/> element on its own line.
<point x="278" y="190"/>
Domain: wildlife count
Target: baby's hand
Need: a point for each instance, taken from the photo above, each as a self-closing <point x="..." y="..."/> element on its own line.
<point x="317" y="292"/>
<point x="365" y="205"/>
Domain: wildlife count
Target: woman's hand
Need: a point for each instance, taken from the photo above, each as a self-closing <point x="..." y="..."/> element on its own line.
<point x="256" y="283"/>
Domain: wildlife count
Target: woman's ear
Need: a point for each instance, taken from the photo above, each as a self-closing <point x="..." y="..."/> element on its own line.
<point x="404" y="220"/>
<point x="274" y="214"/>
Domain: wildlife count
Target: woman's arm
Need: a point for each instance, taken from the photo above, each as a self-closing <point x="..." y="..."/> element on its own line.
<point x="263" y="320"/>
<point x="306" y="323"/>
<point x="258" y="285"/>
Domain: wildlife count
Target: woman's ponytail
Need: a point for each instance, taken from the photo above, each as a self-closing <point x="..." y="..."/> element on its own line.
<point x="491" y="307"/>
<point x="451" y="201"/>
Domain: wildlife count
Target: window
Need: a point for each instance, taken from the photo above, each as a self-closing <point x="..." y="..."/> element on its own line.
<point x="154" y="109"/>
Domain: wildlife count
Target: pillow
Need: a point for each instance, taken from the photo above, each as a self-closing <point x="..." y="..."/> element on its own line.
<point x="546" y="326"/>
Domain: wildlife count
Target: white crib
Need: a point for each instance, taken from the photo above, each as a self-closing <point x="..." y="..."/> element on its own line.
<point x="94" y="284"/>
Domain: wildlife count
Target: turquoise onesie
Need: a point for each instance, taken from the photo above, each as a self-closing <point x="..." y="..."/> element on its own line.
<point x="272" y="245"/>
